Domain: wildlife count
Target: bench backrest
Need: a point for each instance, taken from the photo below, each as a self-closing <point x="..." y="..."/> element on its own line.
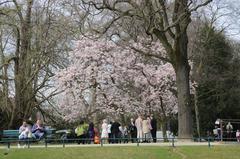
<point x="50" y="131"/>
<point x="15" y="133"/>
<point x="11" y="133"/>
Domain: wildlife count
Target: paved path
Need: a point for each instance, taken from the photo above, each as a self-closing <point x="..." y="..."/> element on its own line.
<point x="127" y="144"/>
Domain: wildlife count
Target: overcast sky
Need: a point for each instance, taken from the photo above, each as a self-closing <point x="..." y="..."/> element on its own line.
<point x="230" y="9"/>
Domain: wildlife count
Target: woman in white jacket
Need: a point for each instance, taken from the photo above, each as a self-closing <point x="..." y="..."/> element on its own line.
<point x="139" y="126"/>
<point x="104" y="134"/>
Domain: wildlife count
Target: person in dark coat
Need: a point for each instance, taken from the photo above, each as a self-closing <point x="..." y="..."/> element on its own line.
<point x="132" y="130"/>
<point x="91" y="132"/>
<point x="154" y="128"/>
<point x="115" y="131"/>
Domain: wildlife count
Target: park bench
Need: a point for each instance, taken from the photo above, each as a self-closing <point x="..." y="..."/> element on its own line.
<point x="50" y="134"/>
<point x="9" y="136"/>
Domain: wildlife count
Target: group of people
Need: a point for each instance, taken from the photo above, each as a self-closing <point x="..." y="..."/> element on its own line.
<point x="227" y="135"/>
<point x="36" y="131"/>
<point x="143" y="129"/>
<point x="146" y="128"/>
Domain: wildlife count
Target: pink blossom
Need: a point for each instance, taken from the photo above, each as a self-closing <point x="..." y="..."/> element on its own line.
<point x="112" y="79"/>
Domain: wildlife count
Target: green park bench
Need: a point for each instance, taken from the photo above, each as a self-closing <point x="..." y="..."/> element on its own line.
<point x="11" y="136"/>
<point x="50" y="133"/>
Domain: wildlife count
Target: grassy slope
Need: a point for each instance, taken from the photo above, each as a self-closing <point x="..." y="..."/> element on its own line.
<point x="187" y="152"/>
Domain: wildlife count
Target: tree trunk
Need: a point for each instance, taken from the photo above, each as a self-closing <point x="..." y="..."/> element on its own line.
<point x="92" y="105"/>
<point x="177" y="52"/>
<point x="184" y="109"/>
<point x="164" y="120"/>
<point x="182" y="69"/>
<point x="164" y="130"/>
<point x="197" y="114"/>
<point x="23" y="83"/>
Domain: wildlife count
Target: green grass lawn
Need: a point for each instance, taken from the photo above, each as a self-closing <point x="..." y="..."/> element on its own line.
<point x="183" y="152"/>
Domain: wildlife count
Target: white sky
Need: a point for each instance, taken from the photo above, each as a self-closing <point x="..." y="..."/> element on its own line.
<point x="231" y="19"/>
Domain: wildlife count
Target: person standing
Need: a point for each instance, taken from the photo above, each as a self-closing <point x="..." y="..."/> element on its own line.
<point x="104" y="134"/>
<point x="238" y="135"/>
<point x="133" y="130"/>
<point x="146" y="127"/>
<point x="121" y="134"/>
<point x="81" y="132"/>
<point x="115" y="131"/>
<point x="229" y="128"/>
<point x="109" y="132"/>
<point x="125" y="134"/>
<point x="91" y="132"/>
<point x="139" y="126"/>
<point x="217" y="133"/>
<point x="154" y="128"/>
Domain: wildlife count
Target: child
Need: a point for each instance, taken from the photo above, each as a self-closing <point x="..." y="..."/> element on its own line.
<point x="96" y="136"/>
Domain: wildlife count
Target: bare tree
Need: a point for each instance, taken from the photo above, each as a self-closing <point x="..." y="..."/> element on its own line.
<point x="39" y="37"/>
